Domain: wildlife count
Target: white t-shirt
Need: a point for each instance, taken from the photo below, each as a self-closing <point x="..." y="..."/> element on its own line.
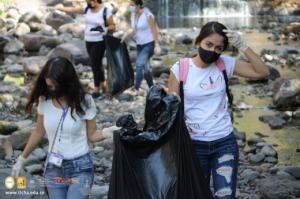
<point x="142" y="28"/>
<point x="93" y="20"/>
<point x="73" y="136"/>
<point x="205" y="100"/>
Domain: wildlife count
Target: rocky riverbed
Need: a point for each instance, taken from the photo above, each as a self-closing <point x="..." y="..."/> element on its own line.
<point x="28" y="39"/>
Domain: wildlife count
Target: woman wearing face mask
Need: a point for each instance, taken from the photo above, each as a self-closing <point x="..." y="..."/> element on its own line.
<point x="66" y="113"/>
<point x="144" y="29"/>
<point x="205" y="103"/>
<point x="93" y="13"/>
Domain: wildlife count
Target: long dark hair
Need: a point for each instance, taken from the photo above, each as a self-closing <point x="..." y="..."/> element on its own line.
<point x="139" y="3"/>
<point x="62" y="72"/>
<point x="210" y="28"/>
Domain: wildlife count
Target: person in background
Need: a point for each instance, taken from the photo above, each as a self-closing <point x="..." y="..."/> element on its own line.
<point x="206" y="106"/>
<point x="145" y="31"/>
<point x="96" y="16"/>
<point x="66" y="113"/>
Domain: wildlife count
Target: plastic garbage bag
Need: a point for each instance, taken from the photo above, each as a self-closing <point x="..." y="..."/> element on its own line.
<point x="157" y="161"/>
<point x="120" y="72"/>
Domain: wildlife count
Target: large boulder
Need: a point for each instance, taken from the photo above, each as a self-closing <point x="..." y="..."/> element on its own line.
<point x="32" y="65"/>
<point x="31" y="17"/>
<point x="33" y="42"/>
<point x="75" y="29"/>
<point x="57" y="19"/>
<point x="42" y="28"/>
<point x="75" y="51"/>
<point x="288" y="95"/>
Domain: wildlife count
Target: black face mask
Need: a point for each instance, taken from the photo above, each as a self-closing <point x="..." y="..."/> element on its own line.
<point x="54" y="93"/>
<point x="207" y="56"/>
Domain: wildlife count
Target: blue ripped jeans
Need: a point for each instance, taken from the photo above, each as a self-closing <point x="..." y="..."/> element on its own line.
<point x="73" y="180"/>
<point x="144" y="53"/>
<point x="220" y="158"/>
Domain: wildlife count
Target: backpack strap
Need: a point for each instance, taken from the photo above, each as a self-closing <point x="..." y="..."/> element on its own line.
<point x="86" y="9"/>
<point x="221" y="66"/>
<point x="183" y="69"/>
<point x="105" y="16"/>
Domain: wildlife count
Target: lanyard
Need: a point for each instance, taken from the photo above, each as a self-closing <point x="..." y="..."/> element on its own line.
<point x="65" y="112"/>
<point x="63" y="117"/>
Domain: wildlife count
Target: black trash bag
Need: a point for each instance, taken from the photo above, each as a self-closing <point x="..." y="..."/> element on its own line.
<point x="157" y="161"/>
<point x="120" y="72"/>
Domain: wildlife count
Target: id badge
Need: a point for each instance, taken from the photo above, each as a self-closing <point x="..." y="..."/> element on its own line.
<point x="56" y="159"/>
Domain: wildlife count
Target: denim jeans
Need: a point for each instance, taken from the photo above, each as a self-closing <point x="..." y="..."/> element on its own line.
<point x="73" y="180"/>
<point x="220" y="157"/>
<point x="144" y="53"/>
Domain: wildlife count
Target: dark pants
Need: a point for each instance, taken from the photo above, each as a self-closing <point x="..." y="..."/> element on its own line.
<point x="96" y="52"/>
<point x="144" y="53"/>
<point x="220" y="158"/>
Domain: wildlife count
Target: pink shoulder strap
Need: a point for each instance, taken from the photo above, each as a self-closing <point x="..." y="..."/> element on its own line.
<point x="220" y="64"/>
<point x="183" y="69"/>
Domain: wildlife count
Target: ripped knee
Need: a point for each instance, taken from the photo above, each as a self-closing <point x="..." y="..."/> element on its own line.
<point x="223" y="192"/>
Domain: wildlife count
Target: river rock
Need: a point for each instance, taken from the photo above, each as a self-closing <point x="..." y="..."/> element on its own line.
<point x="29" y="17"/>
<point x="269" y="151"/>
<point x="13" y="47"/>
<point x="3" y="41"/>
<point x="19" y="138"/>
<point x="276" y="188"/>
<point x="75" y="51"/>
<point x="7" y="128"/>
<point x="34" y="169"/>
<point x="257" y="158"/>
<point x="33" y="42"/>
<point x="32" y="65"/>
<point x="273" y="121"/>
<point x="57" y="19"/>
<point x="75" y="29"/>
<point x="294" y="171"/>
<point x="288" y="95"/>
<point x="6" y="149"/>
<point x="249" y="175"/>
<point x="21" y="29"/>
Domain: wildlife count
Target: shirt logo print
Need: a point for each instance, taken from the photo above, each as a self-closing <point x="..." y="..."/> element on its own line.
<point x="213" y="84"/>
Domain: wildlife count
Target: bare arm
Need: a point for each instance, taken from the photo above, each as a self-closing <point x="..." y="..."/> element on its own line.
<point x="173" y="84"/>
<point x="111" y="24"/>
<point x="254" y="69"/>
<point x="93" y="134"/>
<point x="35" y="137"/>
<point x="154" y="29"/>
<point x="78" y="10"/>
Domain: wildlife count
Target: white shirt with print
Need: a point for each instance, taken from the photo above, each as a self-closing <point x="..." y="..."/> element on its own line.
<point x="73" y="136"/>
<point x="205" y="100"/>
<point x="93" y="20"/>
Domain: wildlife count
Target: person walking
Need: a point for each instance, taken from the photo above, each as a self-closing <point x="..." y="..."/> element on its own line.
<point x="145" y="31"/>
<point x="207" y="117"/>
<point x="98" y="21"/>
<point x="66" y="114"/>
